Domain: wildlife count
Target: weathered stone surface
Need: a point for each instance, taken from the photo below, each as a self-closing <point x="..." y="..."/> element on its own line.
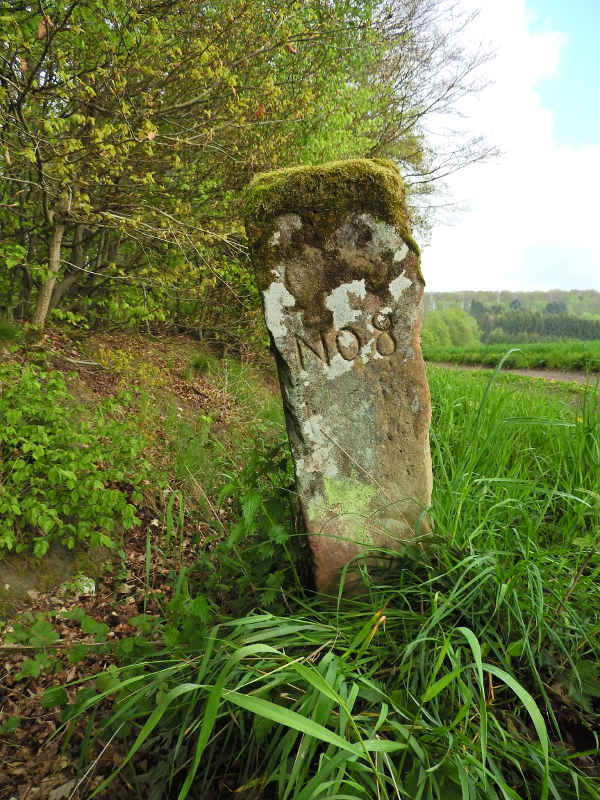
<point x="342" y="293"/>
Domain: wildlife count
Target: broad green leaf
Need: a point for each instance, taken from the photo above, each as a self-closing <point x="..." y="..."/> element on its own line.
<point x="284" y="716"/>
<point x="11" y="725"/>
<point x="54" y="696"/>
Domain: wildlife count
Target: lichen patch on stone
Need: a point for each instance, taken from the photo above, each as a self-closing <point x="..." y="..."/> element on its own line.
<point x="346" y="339"/>
<point x="319" y="457"/>
<point x="276" y="300"/>
<point x="312" y="430"/>
<point x="384" y="237"/>
<point x="398" y="286"/>
<point x="337" y="366"/>
<point x="401" y="253"/>
<point x="349" y="496"/>
<point x="286" y="224"/>
<point x="340" y="300"/>
<point x="415" y="405"/>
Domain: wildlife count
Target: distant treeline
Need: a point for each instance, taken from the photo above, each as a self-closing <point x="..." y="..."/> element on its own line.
<point x="576" y="302"/>
<point x="460" y="318"/>
<point x="517" y="325"/>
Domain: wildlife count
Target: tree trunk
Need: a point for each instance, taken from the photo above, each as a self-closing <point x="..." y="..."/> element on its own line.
<point x="62" y="288"/>
<point x="77" y="254"/>
<point x="45" y="293"/>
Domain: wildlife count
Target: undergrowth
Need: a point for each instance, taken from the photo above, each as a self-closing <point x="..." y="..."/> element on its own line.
<point x="469" y="669"/>
<point x="65" y="476"/>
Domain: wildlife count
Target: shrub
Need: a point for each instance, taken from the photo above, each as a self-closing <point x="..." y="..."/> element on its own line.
<point x="8" y="331"/>
<point x="62" y="478"/>
<point x="261" y="553"/>
<point x="449" y="327"/>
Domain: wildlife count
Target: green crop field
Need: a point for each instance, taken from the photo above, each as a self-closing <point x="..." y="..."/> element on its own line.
<point x="561" y="355"/>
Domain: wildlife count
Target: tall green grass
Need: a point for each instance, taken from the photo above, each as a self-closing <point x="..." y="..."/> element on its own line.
<point x="469" y="669"/>
<point x="565" y="355"/>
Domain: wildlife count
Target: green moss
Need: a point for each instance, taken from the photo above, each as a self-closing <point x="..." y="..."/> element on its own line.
<point x="327" y="193"/>
<point x="347" y="498"/>
<point x="350" y="496"/>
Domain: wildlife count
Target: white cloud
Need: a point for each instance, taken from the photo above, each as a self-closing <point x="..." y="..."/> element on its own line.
<point x="539" y="199"/>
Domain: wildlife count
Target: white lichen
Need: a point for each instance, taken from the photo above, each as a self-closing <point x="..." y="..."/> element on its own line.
<point x="383" y="237"/>
<point x="319" y="455"/>
<point x="339" y="302"/>
<point x="415" y="405"/>
<point x="368" y="352"/>
<point x="285" y="227"/>
<point x="401" y="254"/>
<point x="398" y="286"/>
<point x="276" y="299"/>
<point x="338" y="366"/>
<point x="346" y="339"/>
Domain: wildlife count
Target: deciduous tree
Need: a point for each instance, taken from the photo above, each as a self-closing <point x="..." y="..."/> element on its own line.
<point x="128" y="128"/>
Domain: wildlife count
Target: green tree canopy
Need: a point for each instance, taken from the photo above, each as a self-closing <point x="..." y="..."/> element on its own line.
<point x="128" y="129"/>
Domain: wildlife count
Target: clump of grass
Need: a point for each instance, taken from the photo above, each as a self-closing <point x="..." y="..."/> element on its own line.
<point x="193" y="450"/>
<point x="469" y="669"/>
<point x="388" y="695"/>
<point x="520" y="461"/>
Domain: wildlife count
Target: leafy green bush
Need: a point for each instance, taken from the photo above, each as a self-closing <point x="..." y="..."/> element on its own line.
<point x="449" y="327"/>
<point x="9" y="332"/>
<point x="63" y="478"/>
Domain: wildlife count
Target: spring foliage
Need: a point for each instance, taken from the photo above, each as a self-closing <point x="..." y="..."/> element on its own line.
<point x="449" y="327"/>
<point x="63" y="477"/>
<point x="129" y="130"/>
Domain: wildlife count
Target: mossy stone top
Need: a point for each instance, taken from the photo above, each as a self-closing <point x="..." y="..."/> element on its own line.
<point x="327" y="193"/>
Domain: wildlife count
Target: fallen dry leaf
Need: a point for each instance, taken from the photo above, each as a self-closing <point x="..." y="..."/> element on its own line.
<point x="62" y="791"/>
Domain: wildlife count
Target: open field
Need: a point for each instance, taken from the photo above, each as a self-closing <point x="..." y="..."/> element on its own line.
<point x="577" y="379"/>
<point x="563" y="355"/>
<point x="467" y="669"/>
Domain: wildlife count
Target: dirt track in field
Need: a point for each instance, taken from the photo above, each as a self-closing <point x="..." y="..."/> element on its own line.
<point x="573" y="376"/>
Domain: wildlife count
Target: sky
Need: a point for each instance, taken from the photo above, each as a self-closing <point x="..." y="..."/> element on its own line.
<point x="529" y="219"/>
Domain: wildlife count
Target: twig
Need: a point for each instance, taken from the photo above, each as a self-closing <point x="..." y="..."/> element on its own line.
<point x="16" y="648"/>
<point x="355" y="462"/>
<point x="93" y="765"/>
<point x="78" y="361"/>
<point x="576" y="579"/>
<point x="197" y="483"/>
